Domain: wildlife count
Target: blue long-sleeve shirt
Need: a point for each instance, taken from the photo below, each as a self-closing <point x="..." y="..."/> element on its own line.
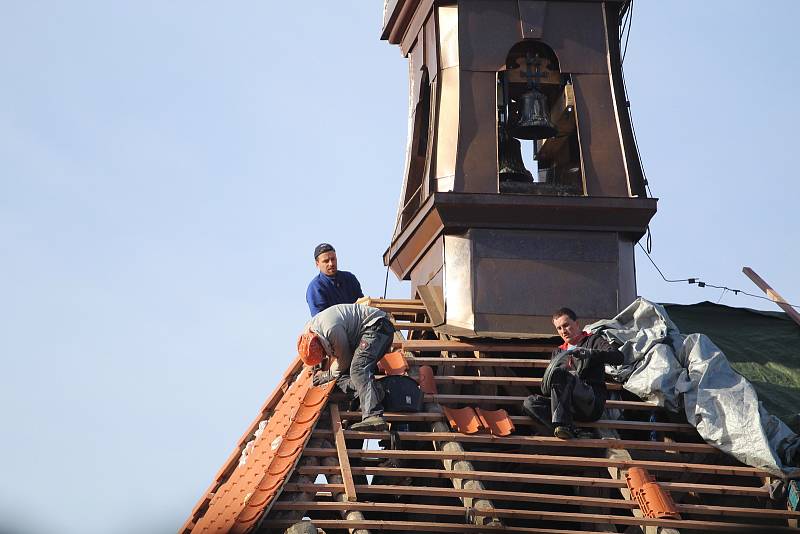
<point x="325" y="291"/>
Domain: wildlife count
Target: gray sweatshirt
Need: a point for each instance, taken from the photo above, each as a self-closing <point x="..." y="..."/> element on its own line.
<point x="340" y="328"/>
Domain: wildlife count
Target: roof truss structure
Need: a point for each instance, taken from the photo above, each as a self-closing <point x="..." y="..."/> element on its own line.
<point x="301" y="462"/>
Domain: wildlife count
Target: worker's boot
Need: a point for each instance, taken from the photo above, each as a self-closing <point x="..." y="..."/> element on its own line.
<point x="373" y="422"/>
<point x="565" y="432"/>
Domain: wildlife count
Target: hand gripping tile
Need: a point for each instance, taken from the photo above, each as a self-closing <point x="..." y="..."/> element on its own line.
<point x="252" y="487"/>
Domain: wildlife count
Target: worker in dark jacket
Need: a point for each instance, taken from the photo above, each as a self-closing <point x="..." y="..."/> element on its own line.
<point x="331" y="286"/>
<point x="574" y="379"/>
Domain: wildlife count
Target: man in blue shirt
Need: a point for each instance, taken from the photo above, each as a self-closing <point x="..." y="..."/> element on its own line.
<point x="331" y="286"/>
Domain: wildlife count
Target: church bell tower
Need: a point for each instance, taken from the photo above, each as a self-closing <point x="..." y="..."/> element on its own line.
<point x="523" y="191"/>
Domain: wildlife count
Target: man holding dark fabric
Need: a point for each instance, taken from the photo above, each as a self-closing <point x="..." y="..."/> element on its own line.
<point x="331" y="286"/>
<point x="355" y="337"/>
<point x="574" y="379"/>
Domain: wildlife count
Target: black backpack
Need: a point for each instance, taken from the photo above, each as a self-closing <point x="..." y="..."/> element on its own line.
<point x="401" y="394"/>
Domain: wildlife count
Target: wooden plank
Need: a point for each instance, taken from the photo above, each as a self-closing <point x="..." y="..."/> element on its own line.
<point x="455" y="346"/>
<point x="521" y="496"/>
<point x="534" y="441"/>
<point x="531" y="515"/>
<point x="544" y="479"/>
<point x="525" y="420"/>
<point x="410" y="302"/>
<point x="772" y="294"/>
<point x="416" y="526"/>
<point x="480" y="362"/>
<point x="509" y="399"/>
<point x="399" y="325"/>
<point x="544" y="459"/>
<point x="341" y="451"/>
<point x="548" y="498"/>
<point x="506" y="380"/>
<point x="400" y="307"/>
<point x="487" y="382"/>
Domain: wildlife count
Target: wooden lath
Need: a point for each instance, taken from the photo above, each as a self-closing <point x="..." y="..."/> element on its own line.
<point x="524" y="482"/>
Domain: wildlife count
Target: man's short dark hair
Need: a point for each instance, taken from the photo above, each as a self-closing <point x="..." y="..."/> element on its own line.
<point x="322" y="248"/>
<point x="565" y="311"/>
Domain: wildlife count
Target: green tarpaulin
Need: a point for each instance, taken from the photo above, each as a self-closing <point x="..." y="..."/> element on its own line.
<point x="764" y="347"/>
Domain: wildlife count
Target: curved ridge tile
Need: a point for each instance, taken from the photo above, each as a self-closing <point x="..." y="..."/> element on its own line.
<point x="253" y="485"/>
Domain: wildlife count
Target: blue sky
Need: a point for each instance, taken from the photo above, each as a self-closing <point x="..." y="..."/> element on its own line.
<point x="166" y="169"/>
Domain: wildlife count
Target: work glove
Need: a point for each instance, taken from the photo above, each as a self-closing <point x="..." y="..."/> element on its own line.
<point x="582" y="354"/>
<point x="322" y="377"/>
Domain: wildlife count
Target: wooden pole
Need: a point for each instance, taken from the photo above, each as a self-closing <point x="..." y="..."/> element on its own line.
<point x="341" y="450"/>
<point x="772" y="294"/>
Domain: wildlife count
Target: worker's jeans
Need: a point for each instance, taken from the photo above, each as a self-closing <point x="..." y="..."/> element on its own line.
<point x="572" y="398"/>
<point x="375" y="341"/>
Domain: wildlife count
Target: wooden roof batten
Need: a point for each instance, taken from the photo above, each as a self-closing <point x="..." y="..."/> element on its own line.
<point x="426" y="477"/>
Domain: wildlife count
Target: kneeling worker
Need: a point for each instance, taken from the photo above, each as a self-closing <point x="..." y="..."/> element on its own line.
<point x="574" y="379"/>
<point x="355" y="337"/>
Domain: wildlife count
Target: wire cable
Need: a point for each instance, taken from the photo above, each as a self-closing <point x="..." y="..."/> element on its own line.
<point x="386" y="282"/>
<point x="629" y="16"/>
<point x="700" y="283"/>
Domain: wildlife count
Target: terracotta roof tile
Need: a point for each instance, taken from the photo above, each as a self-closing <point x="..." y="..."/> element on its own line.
<point x="496" y="422"/>
<point x="464" y="420"/>
<point x="393" y="363"/>
<point x="427" y="383"/>
<point x="252" y="486"/>
<point x="653" y="500"/>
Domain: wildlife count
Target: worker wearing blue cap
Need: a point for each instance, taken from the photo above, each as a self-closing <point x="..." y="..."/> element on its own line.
<point x="331" y="286"/>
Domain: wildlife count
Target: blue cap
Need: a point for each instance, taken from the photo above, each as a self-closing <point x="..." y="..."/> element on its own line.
<point x="322" y="248"/>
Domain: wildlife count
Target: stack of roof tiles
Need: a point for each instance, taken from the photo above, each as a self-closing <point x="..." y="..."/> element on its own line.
<point x="465" y="465"/>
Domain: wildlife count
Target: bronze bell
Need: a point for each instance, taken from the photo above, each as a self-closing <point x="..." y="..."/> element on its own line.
<point x="532" y="118"/>
<point x="512" y="168"/>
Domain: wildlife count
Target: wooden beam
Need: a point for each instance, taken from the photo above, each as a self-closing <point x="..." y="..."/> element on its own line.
<point x="772" y="294"/>
<point x="532" y="515"/>
<point x="487" y="382"/>
<point x="418" y="526"/>
<point x="480" y="362"/>
<point x="521" y="496"/>
<point x="534" y="441"/>
<point x="522" y="420"/>
<point x="548" y="498"/>
<point x="542" y="479"/>
<point x="376" y="302"/>
<point x="335" y="477"/>
<point x="545" y="459"/>
<point x="400" y="307"/>
<point x="341" y="451"/>
<point x="505" y="380"/>
<point x="508" y="399"/>
<point x="464" y="346"/>
<point x="400" y="325"/>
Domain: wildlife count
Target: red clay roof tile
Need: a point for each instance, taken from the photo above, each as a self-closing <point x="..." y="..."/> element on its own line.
<point x="393" y="363"/>
<point x="427" y="383"/>
<point x="496" y="422"/>
<point x="463" y="420"/>
<point x="252" y="486"/>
